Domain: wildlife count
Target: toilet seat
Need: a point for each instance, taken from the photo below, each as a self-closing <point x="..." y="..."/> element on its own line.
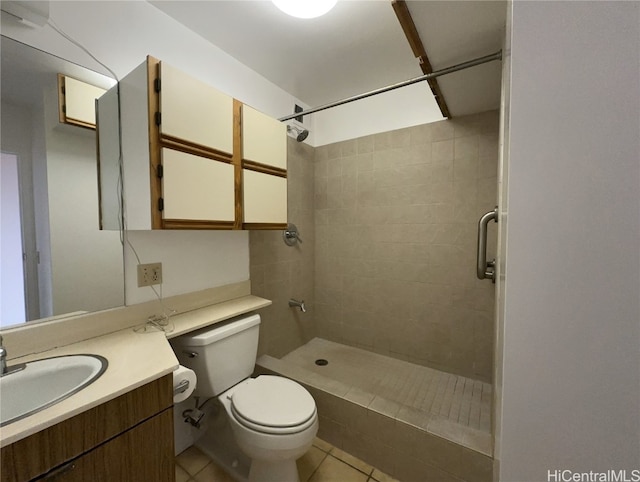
<point x="273" y="405"/>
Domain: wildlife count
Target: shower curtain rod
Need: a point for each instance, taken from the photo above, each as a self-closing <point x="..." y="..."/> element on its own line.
<point x="415" y="80"/>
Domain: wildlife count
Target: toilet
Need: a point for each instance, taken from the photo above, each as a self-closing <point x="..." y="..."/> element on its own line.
<point x="273" y="419"/>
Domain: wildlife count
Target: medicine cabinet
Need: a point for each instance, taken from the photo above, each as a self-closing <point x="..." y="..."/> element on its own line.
<point x="193" y="157"/>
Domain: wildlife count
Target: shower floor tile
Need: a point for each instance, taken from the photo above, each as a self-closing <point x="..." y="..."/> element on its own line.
<point x="426" y="395"/>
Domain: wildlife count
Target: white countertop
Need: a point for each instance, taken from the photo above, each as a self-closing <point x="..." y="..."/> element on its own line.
<point x="135" y="359"/>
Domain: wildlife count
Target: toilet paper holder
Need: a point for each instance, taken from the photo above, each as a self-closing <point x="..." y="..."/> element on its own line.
<point x="181" y="387"/>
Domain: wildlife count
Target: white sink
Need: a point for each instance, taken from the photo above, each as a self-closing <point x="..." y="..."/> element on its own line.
<point x="45" y="382"/>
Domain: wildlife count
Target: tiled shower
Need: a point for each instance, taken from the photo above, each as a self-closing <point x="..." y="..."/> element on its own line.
<point x="396" y="220"/>
<point x="387" y="265"/>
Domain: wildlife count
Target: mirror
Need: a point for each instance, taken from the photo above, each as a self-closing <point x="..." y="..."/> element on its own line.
<point x="55" y="259"/>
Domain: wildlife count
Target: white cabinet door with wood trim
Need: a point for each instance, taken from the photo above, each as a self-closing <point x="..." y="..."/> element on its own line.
<point x="197" y="188"/>
<point x="194" y="112"/>
<point x="264" y="139"/>
<point x="265" y="198"/>
<point x="78" y="101"/>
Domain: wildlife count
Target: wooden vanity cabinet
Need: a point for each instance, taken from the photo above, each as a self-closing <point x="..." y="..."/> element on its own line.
<point x="129" y="438"/>
<point x="187" y="149"/>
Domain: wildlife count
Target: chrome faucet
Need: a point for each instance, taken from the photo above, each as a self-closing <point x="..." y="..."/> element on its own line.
<point x="3" y="358"/>
<point x="4" y="369"/>
<point x="299" y="304"/>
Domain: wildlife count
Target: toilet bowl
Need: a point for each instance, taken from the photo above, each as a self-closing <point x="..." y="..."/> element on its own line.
<point x="273" y="419"/>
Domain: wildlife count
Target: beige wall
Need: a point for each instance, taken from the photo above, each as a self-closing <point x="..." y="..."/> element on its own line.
<point x="279" y="272"/>
<point x="396" y="224"/>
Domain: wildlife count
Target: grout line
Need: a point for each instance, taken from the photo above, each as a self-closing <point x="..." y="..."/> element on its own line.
<point x="326" y="454"/>
<point x="206" y="465"/>
<point x="352" y="466"/>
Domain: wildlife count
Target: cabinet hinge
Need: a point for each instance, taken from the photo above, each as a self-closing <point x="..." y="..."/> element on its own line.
<point x="156" y="84"/>
<point x="63" y="89"/>
<point x="64" y="108"/>
<point x="160" y="204"/>
<point x="160" y="171"/>
<point x="158" y="118"/>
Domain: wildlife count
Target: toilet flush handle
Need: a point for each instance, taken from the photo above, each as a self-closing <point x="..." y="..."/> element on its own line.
<point x="190" y="354"/>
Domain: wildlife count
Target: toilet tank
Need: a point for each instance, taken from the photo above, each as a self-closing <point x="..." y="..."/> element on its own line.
<point x="221" y="355"/>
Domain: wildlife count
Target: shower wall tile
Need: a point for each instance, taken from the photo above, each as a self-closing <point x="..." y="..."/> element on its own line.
<point x="442" y="130"/>
<point x="395" y="219"/>
<point x="419" y="135"/>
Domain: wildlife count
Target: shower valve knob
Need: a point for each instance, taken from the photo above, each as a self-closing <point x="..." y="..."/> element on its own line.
<point x="290" y="235"/>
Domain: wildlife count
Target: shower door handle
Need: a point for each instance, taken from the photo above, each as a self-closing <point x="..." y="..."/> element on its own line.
<point x="485" y="269"/>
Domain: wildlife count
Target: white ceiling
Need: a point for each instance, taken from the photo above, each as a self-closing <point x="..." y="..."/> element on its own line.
<point x="358" y="46"/>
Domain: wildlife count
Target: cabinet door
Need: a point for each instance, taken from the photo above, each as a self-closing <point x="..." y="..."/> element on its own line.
<point x="197" y="188"/>
<point x="142" y="453"/>
<point x="77" y="101"/>
<point x="51" y="448"/>
<point x="194" y="112"/>
<point x="264" y="139"/>
<point x="265" y="198"/>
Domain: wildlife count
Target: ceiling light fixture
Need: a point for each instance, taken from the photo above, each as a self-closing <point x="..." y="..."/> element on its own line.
<point x="305" y="8"/>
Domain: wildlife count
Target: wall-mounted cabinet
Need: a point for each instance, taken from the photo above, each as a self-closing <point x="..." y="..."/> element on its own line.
<point x="77" y="102"/>
<point x="186" y="152"/>
<point x="264" y="170"/>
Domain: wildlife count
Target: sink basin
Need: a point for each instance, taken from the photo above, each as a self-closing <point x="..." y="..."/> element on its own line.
<point x="45" y="382"/>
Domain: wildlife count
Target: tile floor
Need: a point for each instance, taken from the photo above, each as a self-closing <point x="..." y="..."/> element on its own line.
<point x="322" y="463"/>
<point x="459" y="399"/>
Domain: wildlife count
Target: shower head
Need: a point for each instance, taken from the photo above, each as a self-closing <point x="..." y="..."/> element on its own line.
<point x="300" y="134"/>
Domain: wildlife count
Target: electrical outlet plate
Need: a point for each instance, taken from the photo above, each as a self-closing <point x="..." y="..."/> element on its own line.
<point x="149" y="274"/>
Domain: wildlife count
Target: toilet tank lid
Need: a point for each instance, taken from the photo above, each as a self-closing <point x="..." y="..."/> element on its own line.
<point x="219" y="331"/>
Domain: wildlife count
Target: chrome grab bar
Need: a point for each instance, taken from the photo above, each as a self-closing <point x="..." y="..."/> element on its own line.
<point x="485" y="269"/>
